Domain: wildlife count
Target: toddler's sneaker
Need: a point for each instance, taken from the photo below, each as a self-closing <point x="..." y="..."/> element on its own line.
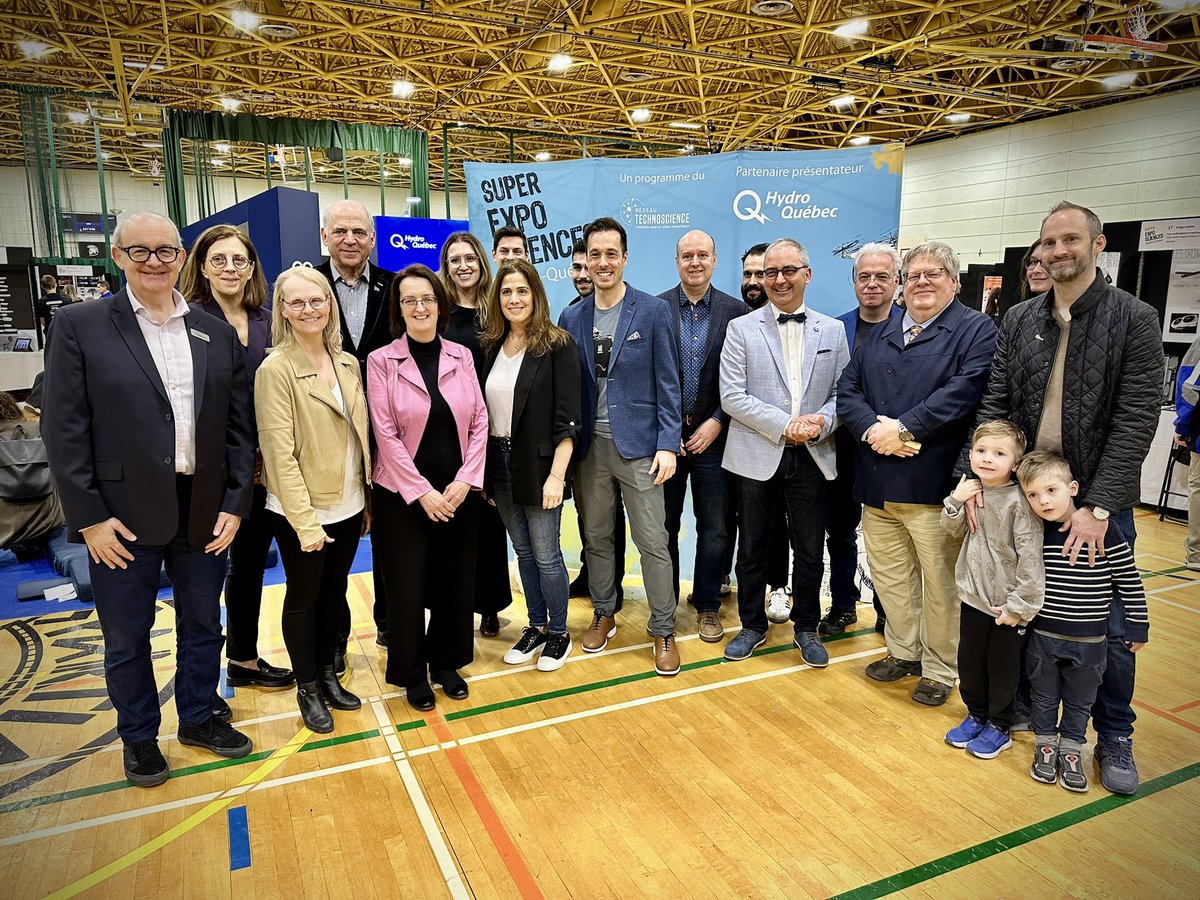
<point x="1045" y="764"/>
<point x="964" y="733"/>
<point x="990" y="742"/>
<point x="1070" y="771"/>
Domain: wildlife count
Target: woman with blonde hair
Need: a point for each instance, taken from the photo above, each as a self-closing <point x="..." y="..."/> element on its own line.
<point x="466" y="274"/>
<point x="312" y="426"/>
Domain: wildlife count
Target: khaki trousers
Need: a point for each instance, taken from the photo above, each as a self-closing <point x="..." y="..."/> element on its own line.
<point x="912" y="565"/>
<point x="1193" y="533"/>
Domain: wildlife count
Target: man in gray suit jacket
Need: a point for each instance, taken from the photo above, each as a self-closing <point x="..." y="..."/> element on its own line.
<point x="779" y="372"/>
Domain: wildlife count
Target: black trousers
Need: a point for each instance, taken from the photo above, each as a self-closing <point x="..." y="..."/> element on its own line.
<point x="427" y="565"/>
<point x="989" y="665"/>
<point x="777" y="550"/>
<point x="244" y="580"/>
<point x="493" y="591"/>
<point x="316" y="592"/>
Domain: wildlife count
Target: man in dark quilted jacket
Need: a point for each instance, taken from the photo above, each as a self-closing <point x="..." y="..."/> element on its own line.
<point x="1080" y="370"/>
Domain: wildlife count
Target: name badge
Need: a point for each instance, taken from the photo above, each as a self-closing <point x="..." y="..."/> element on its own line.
<point x="199" y="334"/>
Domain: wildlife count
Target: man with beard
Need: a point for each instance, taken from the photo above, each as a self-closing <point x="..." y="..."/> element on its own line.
<point x="753" y="291"/>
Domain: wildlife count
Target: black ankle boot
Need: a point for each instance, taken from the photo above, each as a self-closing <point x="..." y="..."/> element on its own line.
<point x="313" y="710"/>
<point x="452" y="683"/>
<point x="335" y="695"/>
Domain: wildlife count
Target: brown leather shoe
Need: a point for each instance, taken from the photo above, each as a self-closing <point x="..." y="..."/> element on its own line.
<point x="596" y="637"/>
<point x="709" y="627"/>
<point x="666" y="655"/>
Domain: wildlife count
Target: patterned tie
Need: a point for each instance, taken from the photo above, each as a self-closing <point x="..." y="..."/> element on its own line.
<point x="913" y="332"/>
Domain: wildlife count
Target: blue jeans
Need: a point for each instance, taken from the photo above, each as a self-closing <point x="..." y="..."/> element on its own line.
<point x="126" y="600"/>
<point x="710" y="504"/>
<point x="1066" y="672"/>
<point x="1112" y="713"/>
<point x="535" y="537"/>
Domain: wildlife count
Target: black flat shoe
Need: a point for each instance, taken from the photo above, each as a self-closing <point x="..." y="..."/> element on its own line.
<point x="489" y="624"/>
<point x="266" y="675"/>
<point x="339" y="662"/>
<point x="420" y="696"/>
<point x="333" y="692"/>
<point x="452" y="683"/>
<point x="220" y="708"/>
<point x="313" y="710"/>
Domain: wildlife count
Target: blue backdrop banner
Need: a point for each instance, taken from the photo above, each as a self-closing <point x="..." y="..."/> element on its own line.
<point x="401" y="242"/>
<point x="832" y="201"/>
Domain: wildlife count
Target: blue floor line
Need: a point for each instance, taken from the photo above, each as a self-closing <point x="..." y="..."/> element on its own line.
<point x="239" y="839"/>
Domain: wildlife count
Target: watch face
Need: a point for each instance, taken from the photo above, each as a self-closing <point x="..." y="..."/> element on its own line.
<point x="1099" y="513"/>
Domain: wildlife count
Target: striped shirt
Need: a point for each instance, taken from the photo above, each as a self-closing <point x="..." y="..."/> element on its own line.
<point x="1078" y="596"/>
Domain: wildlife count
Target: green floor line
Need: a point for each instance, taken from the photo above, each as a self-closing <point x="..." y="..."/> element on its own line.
<point x="962" y="858"/>
<point x="1171" y="571"/>
<point x="62" y="796"/>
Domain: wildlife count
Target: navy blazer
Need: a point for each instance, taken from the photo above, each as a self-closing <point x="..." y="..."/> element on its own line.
<point x="643" y="375"/>
<point x="850" y="320"/>
<point x="934" y="385"/>
<point x="377" y="329"/>
<point x="722" y="310"/>
<point x="108" y="428"/>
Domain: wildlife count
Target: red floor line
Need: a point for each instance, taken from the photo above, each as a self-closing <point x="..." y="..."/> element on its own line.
<point x="1166" y="715"/>
<point x="501" y="839"/>
<point x="1185" y="706"/>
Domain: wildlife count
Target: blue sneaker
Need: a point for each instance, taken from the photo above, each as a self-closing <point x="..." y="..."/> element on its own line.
<point x="742" y="644"/>
<point x="964" y="733"/>
<point x="990" y="742"/>
<point x="812" y="651"/>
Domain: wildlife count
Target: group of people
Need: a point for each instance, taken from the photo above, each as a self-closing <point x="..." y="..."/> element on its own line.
<point x="441" y="411"/>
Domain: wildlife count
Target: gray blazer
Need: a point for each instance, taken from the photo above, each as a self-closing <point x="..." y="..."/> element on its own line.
<point x="755" y="393"/>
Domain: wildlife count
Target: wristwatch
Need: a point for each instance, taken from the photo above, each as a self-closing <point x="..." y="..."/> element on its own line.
<point x="1100" y="513"/>
<point x="905" y="434"/>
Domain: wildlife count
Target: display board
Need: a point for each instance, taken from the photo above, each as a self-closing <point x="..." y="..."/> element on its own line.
<point x="401" y="241"/>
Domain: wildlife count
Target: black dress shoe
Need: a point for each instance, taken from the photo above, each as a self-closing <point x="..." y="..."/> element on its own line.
<point x="420" y="696"/>
<point x="339" y="662"/>
<point x="880" y="622"/>
<point x="313" y="710"/>
<point x="489" y="624"/>
<point x="452" y="683"/>
<point x="266" y="675"/>
<point x="220" y="708"/>
<point x="216" y="736"/>
<point x="579" y="588"/>
<point x="381" y="639"/>
<point x="333" y="692"/>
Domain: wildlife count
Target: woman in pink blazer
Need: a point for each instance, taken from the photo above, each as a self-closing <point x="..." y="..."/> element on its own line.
<point x="431" y="430"/>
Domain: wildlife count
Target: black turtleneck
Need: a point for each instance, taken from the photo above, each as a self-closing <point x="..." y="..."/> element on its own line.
<point x="439" y="456"/>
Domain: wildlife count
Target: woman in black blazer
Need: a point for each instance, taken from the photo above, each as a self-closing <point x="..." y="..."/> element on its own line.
<point x="531" y="384"/>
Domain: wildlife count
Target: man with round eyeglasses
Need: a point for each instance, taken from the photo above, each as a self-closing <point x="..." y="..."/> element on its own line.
<point x="908" y="398"/>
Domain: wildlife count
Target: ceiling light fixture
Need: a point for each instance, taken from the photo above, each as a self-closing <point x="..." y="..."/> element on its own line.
<point x="245" y="19"/>
<point x="772" y="7"/>
<point x="824" y="81"/>
<point x="34" y="49"/>
<point x="958" y="118"/>
<point x="403" y="88"/>
<point x="412" y="201"/>
<point x="404" y="161"/>
<point x="222" y="147"/>
<point x="278" y="31"/>
<point x="640" y="116"/>
<point x="231" y="104"/>
<point x="687" y="126"/>
<point x="139" y="65"/>
<point x="843" y="102"/>
<point x="852" y="29"/>
<point x="152" y="145"/>
<point x="77" y="118"/>
<point x="633" y="77"/>
<point x="559" y="63"/>
<point x="860" y="140"/>
<point x="1118" y="81"/>
<point x="542" y="156"/>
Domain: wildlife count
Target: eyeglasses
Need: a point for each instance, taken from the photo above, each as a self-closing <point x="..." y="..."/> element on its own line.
<point x="141" y="254"/>
<point x="316" y="304"/>
<point x="220" y="261"/>
<point x="1034" y="264"/>
<point x="411" y="303"/>
<point x="880" y="278"/>
<point x="933" y="276"/>
<point x="788" y="272"/>
<point x="469" y="260"/>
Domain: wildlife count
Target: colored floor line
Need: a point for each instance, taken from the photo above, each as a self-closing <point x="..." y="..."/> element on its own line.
<point x="91" y="790"/>
<point x="962" y="858"/>
<point x="1186" y="706"/>
<point x="239" y="838"/>
<point x="1162" y="713"/>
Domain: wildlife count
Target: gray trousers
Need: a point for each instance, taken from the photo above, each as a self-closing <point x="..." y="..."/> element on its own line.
<point x="595" y="482"/>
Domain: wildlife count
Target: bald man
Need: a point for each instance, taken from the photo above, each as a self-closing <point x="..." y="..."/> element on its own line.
<point x="699" y="316"/>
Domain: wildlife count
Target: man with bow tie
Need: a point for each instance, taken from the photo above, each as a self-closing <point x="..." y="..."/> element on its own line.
<point x="779" y="372"/>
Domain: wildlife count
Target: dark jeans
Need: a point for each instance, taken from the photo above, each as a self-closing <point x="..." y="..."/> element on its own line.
<point x="429" y="565"/>
<point x="125" y="605"/>
<point x="1112" y="713"/>
<point x="316" y="592"/>
<point x="777" y="552"/>
<point x="799" y="485"/>
<point x="535" y="537"/>
<point x="710" y="505"/>
<point x="842" y="518"/>
<point x="243" y="583"/>
<point x="1069" y="672"/>
<point x="989" y="665"/>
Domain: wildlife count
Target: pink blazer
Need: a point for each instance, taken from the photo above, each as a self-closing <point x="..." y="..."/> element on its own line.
<point x="399" y="406"/>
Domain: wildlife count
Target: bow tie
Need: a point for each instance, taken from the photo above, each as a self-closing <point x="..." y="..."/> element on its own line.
<point x="791" y="317"/>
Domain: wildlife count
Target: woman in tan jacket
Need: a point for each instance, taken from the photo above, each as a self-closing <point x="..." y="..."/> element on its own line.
<point x="312" y="426"/>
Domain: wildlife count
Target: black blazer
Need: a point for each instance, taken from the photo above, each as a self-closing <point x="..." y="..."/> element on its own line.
<point x="107" y="423"/>
<point x="546" y="410"/>
<point x="377" y="331"/>
<point x="724" y="309"/>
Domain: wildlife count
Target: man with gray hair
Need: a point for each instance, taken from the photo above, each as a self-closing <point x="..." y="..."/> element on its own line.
<point x="909" y="397"/>
<point x="876" y="275"/>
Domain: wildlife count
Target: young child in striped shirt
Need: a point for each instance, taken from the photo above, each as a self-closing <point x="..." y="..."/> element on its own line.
<point x="1066" y="650"/>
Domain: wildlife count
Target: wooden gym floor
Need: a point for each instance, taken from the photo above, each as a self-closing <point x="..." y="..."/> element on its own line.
<point x="754" y="779"/>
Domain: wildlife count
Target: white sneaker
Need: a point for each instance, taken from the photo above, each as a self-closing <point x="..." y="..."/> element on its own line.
<point x="531" y="642"/>
<point x="779" y="606"/>
<point x="554" y="652"/>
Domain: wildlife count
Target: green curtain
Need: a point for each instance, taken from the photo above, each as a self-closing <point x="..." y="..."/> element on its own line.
<point x="216" y="126"/>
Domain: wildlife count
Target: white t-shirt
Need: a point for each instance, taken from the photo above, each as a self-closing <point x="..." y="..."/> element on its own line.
<point x="501" y="383"/>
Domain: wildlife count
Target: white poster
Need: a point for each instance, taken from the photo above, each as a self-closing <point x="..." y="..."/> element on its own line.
<point x="1182" y="319"/>
<point x="1171" y="234"/>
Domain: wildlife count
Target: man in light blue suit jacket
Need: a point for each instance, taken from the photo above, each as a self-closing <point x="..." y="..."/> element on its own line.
<point x="779" y="373"/>
<point x="629" y="362"/>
